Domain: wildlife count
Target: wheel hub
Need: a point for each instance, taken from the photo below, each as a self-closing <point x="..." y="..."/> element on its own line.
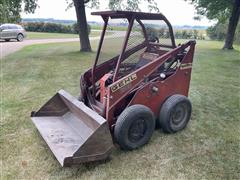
<point x="137" y="130"/>
<point x="179" y="115"/>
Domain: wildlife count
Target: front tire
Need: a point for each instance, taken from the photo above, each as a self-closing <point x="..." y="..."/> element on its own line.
<point x="175" y="113"/>
<point x="20" y="37"/>
<point x="134" y="127"/>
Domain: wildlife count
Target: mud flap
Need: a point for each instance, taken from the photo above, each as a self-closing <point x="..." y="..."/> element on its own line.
<point x="74" y="133"/>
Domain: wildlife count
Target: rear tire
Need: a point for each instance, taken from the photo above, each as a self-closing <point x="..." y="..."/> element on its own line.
<point x="175" y="113"/>
<point x="20" y="37"/>
<point x="134" y="127"/>
<point x="7" y="40"/>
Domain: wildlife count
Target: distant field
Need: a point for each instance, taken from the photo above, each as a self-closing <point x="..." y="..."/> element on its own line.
<point x="41" y="35"/>
<point x="207" y="149"/>
<point x="114" y="28"/>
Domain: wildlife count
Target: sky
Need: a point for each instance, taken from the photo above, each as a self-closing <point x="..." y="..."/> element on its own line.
<point x="178" y="12"/>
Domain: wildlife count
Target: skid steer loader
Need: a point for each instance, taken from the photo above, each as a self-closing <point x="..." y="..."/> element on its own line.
<point x="137" y="81"/>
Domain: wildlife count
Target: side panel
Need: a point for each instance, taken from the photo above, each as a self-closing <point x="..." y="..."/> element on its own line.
<point x="5" y="33"/>
<point x="154" y="94"/>
<point x="14" y="32"/>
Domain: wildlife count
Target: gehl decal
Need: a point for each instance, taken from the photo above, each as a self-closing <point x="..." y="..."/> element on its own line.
<point x="123" y="82"/>
<point x="186" y="66"/>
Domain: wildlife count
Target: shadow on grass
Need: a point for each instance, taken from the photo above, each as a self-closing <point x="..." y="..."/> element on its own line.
<point x="91" y="165"/>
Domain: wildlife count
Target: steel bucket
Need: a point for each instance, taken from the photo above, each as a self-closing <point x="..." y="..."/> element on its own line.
<point x="74" y="133"/>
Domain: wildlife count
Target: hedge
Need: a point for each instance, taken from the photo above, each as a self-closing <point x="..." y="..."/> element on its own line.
<point x="53" y="27"/>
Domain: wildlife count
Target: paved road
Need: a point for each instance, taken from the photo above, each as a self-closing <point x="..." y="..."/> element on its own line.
<point x="7" y="48"/>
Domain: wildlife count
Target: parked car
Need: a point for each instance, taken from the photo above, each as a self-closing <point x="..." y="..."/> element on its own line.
<point x="12" y="31"/>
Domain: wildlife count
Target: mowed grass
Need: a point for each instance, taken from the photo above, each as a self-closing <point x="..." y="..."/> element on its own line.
<point x="43" y="35"/>
<point x="209" y="148"/>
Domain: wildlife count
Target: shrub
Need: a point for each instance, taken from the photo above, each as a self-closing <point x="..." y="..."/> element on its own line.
<point x="237" y="34"/>
<point x="76" y="28"/>
<point x="217" y="32"/>
<point x="151" y="33"/>
<point x="179" y="34"/>
<point x="189" y="34"/>
<point x="52" y="27"/>
<point x="34" y="26"/>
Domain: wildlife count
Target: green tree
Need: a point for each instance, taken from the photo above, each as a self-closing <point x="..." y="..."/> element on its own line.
<point x="79" y="6"/>
<point x="10" y="10"/>
<point x="221" y="10"/>
<point x="195" y="34"/>
<point x="217" y="32"/>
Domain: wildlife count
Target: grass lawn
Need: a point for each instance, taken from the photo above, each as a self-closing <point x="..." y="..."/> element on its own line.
<point x="209" y="148"/>
<point x="42" y="35"/>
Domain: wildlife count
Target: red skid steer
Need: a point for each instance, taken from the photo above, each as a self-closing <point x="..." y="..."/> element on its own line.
<point x="139" y="79"/>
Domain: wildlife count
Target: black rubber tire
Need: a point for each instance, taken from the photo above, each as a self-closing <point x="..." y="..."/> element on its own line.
<point x="7" y="40"/>
<point x="175" y="105"/>
<point x="20" y="37"/>
<point x="133" y="119"/>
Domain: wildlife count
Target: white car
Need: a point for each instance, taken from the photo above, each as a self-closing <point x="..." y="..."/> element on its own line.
<point x="12" y="31"/>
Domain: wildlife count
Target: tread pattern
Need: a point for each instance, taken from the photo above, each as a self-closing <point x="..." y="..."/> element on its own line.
<point x="124" y="121"/>
<point x="168" y="105"/>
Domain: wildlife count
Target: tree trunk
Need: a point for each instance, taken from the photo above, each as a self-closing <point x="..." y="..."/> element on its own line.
<point x="82" y="23"/>
<point x="233" y="21"/>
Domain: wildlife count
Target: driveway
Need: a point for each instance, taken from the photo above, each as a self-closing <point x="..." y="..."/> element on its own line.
<point x="7" y="48"/>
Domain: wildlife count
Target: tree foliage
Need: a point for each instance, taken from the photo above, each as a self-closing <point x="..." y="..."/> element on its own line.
<point x="221" y="10"/>
<point x="219" y="30"/>
<point x="213" y="9"/>
<point x="132" y="5"/>
<point x="10" y="10"/>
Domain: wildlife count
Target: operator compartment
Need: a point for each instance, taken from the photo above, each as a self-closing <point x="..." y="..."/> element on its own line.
<point x="147" y="41"/>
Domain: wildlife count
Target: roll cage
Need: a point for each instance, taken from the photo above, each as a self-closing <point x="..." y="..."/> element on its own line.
<point x="131" y="17"/>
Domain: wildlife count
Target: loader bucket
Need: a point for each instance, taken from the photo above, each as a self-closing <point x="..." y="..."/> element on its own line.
<point x="74" y="133"/>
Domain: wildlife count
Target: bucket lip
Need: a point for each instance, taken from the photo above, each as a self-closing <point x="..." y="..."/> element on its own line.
<point x="100" y="120"/>
<point x="68" y="161"/>
<point x="73" y="158"/>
